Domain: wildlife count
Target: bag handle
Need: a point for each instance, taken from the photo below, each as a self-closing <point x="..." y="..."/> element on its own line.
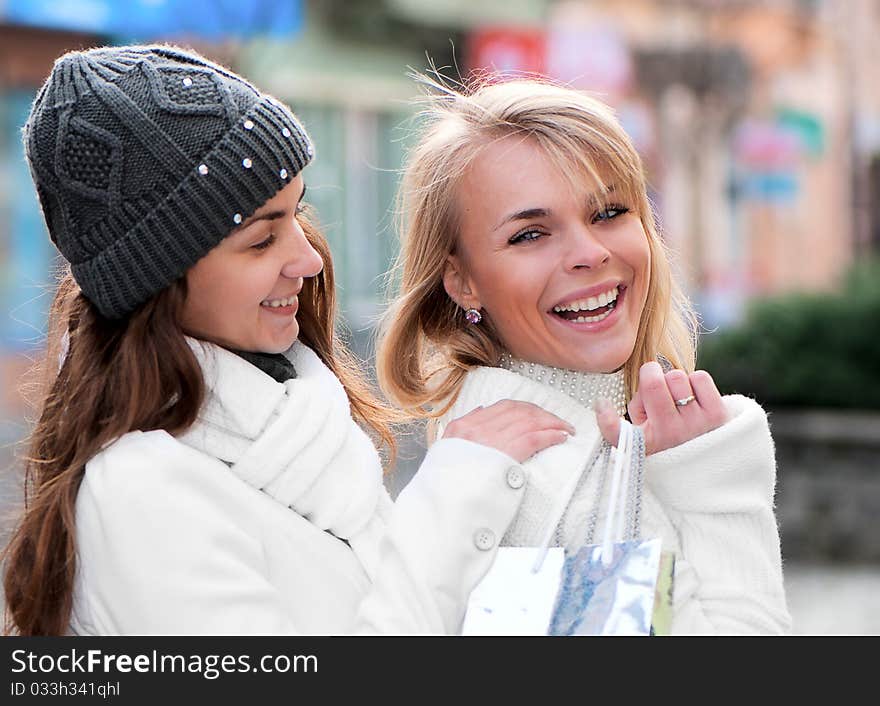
<point x="620" y="480"/>
<point x="619" y="487"/>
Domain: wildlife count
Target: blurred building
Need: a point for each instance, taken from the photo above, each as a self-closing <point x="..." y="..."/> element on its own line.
<point x="759" y="123"/>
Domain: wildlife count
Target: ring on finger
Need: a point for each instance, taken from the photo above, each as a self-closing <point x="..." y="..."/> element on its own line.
<point x="684" y="401"/>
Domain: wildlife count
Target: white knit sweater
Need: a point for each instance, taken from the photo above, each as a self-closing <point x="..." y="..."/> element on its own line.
<point x="710" y="500"/>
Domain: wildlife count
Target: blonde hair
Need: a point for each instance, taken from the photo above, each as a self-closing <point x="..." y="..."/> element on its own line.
<point x="425" y="347"/>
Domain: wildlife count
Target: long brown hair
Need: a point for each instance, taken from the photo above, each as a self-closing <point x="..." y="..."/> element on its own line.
<point x="101" y="379"/>
<point x="425" y="346"/>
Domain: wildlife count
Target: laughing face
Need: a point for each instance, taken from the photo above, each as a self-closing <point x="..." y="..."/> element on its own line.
<point x="563" y="276"/>
<point x="243" y="293"/>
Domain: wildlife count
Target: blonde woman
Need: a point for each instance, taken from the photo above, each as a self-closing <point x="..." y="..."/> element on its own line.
<point x="531" y="269"/>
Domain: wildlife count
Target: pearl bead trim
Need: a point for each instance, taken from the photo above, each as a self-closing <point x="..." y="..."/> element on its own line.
<point x="585" y="388"/>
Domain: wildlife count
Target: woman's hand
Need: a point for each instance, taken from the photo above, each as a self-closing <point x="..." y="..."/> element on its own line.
<point x="670" y="408"/>
<point x="519" y="429"/>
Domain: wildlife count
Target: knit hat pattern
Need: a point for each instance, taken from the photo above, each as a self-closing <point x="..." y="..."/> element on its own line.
<point x="145" y="158"/>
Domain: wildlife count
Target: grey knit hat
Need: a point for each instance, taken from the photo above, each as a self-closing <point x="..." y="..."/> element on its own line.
<point x="145" y="158"/>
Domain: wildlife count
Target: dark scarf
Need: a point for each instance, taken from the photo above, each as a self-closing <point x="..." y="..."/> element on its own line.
<point x="275" y="365"/>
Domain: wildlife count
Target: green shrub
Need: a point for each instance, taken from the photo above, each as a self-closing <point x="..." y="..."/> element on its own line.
<point x="804" y="350"/>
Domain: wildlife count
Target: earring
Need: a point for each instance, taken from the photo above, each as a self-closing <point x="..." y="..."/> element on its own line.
<point x="473" y="315"/>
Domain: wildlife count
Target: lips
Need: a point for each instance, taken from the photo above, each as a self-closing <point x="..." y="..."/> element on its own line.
<point x="584" y="307"/>
<point x="278" y="303"/>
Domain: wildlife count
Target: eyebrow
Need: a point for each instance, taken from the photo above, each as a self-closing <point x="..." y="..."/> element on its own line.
<point x="270" y="215"/>
<point x="525" y="215"/>
<point x="531" y="213"/>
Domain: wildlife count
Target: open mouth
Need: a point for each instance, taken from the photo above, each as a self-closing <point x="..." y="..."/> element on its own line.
<point x="278" y="303"/>
<point x="591" y="309"/>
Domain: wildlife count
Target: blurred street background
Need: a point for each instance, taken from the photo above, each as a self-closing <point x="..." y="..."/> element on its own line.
<point x="759" y="126"/>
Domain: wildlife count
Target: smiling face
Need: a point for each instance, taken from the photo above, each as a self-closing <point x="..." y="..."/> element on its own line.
<point x="242" y="294"/>
<point x="562" y="275"/>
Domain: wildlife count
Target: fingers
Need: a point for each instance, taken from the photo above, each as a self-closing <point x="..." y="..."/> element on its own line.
<point x="662" y="392"/>
<point x="516" y="415"/>
<point x="680" y="390"/>
<point x="519" y="429"/>
<point x="667" y="424"/>
<point x="656" y="396"/>
<point x="709" y="398"/>
<point x="524" y="446"/>
<point x="636" y="409"/>
<point x="608" y="421"/>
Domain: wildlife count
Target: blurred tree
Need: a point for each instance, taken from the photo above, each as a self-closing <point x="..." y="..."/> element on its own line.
<point x="805" y="350"/>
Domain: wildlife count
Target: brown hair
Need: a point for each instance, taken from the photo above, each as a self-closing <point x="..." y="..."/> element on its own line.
<point x="102" y="379"/>
<point x="425" y="347"/>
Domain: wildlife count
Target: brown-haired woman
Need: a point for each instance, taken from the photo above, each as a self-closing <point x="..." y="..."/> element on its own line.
<point x="198" y="464"/>
<point x="531" y="269"/>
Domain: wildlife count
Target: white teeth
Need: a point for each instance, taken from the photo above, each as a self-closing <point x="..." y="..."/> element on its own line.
<point x="591" y="319"/>
<point x="590" y="303"/>
<point x="275" y="303"/>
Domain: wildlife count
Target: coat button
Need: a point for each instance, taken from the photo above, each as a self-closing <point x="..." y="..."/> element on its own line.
<point x="516" y="477"/>
<point x="484" y="539"/>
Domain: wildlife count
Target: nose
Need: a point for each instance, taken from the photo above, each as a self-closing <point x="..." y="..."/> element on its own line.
<point x="301" y="259"/>
<point x="585" y="250"/>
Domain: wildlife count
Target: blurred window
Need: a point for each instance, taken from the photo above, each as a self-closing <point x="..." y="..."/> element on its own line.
<point x="352" y="184"/>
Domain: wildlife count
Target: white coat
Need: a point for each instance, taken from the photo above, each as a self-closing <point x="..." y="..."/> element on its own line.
<point x="237" y="526"/>
<point x="710" y="500"/>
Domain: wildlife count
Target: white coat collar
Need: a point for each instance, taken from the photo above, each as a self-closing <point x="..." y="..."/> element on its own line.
<point x="295" y="440"/>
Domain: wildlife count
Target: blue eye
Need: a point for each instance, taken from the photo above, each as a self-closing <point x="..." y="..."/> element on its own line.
<point x="526" y="236"/>
<point x="263" y="244"/>
<point x="610" y="213"/>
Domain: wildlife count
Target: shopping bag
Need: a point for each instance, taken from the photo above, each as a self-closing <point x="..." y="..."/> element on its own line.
<point x="512" y="599"/>
<point x="622" y="586"/>
<point x="627" y="596"/>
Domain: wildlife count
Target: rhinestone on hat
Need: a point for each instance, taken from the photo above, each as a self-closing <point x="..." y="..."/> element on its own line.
<point x="203" y="169"/>
<point x="236" y="218"/>
<point x="187" y="81"/>
<point x="311" y="151"/>
<point x="247" y="163"/>
<point x="285" y="132"/>
<point x="283" y="173"/>
<point x="248" y="124"/>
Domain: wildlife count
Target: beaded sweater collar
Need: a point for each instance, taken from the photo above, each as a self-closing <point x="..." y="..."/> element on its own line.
<point x="584" y="388"/>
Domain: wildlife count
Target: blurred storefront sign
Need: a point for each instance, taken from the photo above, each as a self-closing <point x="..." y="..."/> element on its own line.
<point x="782" y="142"/>
<point x="508" y="50"/>
<point x="153" y="19"/>
<point x="771" y="187"/>
<point x="594" y="58"/>
<point x="766" y="145"/>
<point x="806" y="126"/>
<point x="770" y="154"/>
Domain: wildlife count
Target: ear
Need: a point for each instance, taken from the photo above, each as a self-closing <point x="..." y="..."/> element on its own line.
<point x="458" y="285"/>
